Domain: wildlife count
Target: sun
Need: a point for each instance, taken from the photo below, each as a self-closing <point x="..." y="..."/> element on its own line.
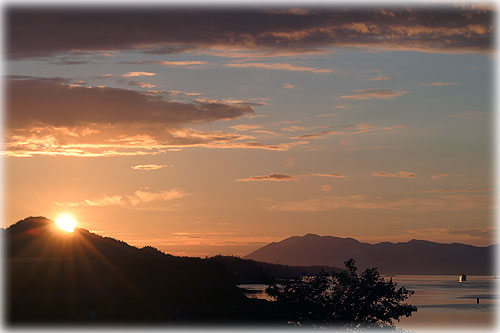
<point x="66" y="222"/>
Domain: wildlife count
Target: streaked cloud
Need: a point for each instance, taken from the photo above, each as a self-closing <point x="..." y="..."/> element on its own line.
<point x="246" y="127"/>
<point x="361" y="201"/>
<point x="142" y="84"/>
<point x="139" y="197"/>
<point x="181" y="63"/>
<point x="351" y="129"/>
<point x="399" y="174"/>
<point x="473" y="114"/>
<point x="276" y="177"/>
<point x="280" y="67"/>
<point x="380" y="77"/>
<point x="459" y="190"/>
<point x="326" y="188"/>
<point x="149" y="167"/>
<point x="329" y="175"/>
<point x="439" y="84"/>
<point x="436" y="177"/>
<point x="365" y="94"/>
<point x="291" y="129"/>
<point x="288" y="86"/>
<point x="135" y="74"/>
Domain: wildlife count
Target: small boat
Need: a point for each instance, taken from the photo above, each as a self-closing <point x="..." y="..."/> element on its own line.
<point x="462" y="278"/>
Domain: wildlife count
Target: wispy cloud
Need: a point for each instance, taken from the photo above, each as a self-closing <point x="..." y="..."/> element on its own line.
<point x="135" y="74"/>
<point x="474" y="114"/>
<point x="459" y="190"/>
<point x="365" y="94"/>
<point x="149" y="167"/>
<point x="436" y="177"/>
<point x="246" y="127"/>
<point x="142" y="84"/>
<point x="329" y="175"/>
<point x="280" y="67"/>
<point x="439" y="84"/>
<point x="380" y="77"/>
<point x="138" y="198"/>
<point x="181" y="63"/>
<point x="361" y="201"/>
<point x="399" y="174"/>
<point x="277" y="177"/>
<point x="351" y="129"/>
<point x="288" y="86"/>
<point x="292" y="129"/>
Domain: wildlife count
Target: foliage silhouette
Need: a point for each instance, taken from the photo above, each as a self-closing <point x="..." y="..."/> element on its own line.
<point x="345" y="299"/>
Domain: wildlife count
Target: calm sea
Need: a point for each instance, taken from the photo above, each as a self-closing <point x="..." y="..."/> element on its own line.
<point x="442" y="301"/>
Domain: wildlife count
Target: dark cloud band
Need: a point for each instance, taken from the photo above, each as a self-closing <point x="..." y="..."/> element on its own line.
<point x="43" y="32"/>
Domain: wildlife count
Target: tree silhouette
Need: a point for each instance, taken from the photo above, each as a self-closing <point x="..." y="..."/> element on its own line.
<point x="346" y="299"/>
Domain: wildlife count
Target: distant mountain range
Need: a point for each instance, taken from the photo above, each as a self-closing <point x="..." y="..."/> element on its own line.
<point x="413" y="257"/>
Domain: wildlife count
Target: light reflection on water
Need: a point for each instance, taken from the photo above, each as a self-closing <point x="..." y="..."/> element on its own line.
<point x="441" y="300"/>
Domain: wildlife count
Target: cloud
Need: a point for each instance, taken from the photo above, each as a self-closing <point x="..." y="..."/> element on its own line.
<point x="326" y="188"/>
<point x="351" y="129"/>
<point x="174" y="30"/>
<point x="482" y="236"/>
<point x="360" y="201"/>
<point x="47" y="101"/>
<point x="280" y="67"/>
<point x="142" y="84"/>
<point x="138" y="198"/>
<point x="365" y="94"/>
<point x="181" y="63"/>
<point x="185" y="64"/>
<point x="230" y="101"/>
<point x="463" y="190"/>
<point x="379" y="78"/>
<point x="135" y="74"/>
<point x="277" y="177"/>
<point x="113" y="140"/>
<point x="329" y="175"/>
<point x="435" y="177"/>
<point x="292" y="129"/>
<point x="246" y="127"/>
<point x="439" y="84"/>
<point x="399" y="174"/>
<point x="114" y="122"/>
<point x="149" y="167"/>
<point x="471" y="114"/>
<point x="288" y="86"/>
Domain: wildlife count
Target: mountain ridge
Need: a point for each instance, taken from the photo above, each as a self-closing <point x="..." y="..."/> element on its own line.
<point x="411" y="257"/>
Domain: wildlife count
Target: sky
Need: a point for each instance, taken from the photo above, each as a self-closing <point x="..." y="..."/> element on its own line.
<point x="204" y="131"/>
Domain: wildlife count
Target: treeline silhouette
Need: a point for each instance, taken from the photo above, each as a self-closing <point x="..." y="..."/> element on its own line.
<point x="251" y="271"/>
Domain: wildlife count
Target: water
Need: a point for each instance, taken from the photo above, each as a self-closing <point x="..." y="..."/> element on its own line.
<point x="442" y="301"/>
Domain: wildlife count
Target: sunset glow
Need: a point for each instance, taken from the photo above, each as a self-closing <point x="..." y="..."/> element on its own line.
<point x="66" y="222"/>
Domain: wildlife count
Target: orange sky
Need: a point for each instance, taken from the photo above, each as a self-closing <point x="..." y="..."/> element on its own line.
<point x="204" y="131"/>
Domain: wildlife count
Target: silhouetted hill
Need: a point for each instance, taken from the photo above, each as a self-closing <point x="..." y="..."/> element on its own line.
<point x="251" y="271"/>
<point x="54" y="276"/>
<point x="413" y="257"/>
